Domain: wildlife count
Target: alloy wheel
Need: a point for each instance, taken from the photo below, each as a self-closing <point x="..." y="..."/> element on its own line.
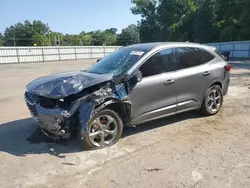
<point x="214" y="100"/>
<point x="103" y="131"/>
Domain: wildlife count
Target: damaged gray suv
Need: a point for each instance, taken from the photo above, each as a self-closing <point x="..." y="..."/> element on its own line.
<point x="132" y="85"/>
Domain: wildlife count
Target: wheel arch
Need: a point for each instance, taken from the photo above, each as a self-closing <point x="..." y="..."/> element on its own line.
<point x="217" y="83"/>
<point x="122" y="108"/>
<point x="203" y="107"/>
<point x="88" y="109"/>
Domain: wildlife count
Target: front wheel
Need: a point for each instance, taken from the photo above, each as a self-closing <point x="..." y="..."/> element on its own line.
<point x="104" y="129"/>
<point x="212" y="101"/>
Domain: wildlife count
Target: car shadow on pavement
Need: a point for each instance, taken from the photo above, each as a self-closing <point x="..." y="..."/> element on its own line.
<point x="23" y="137"/>
<point x="161" y="122"/>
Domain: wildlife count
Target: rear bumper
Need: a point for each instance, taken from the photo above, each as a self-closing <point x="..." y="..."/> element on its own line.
<point x="226" y="83"/>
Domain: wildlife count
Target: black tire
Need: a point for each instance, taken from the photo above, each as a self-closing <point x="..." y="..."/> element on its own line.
<point x="204" y="108"/>
<point x="84" y="136"/>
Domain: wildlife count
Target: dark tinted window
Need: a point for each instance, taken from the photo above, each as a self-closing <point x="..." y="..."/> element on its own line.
<point x="206" y="57"/>
<point x="159" y="63"/>
<point x="190" y="57"/>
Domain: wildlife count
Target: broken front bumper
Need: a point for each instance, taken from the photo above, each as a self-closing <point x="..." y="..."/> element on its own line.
<point x="55" y="121"/>
<point x="60" y="122"/>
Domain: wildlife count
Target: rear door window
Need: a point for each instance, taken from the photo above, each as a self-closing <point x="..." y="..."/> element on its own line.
<point x="191" y="57"/>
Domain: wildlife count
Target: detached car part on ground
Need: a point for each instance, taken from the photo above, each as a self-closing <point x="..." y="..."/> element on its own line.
<point x="133" y="85"/>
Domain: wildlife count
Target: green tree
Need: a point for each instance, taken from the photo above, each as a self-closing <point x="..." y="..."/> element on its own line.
<point x="19" y="34"/>
<point x="82" y="33"/>
<point x="97" y="38"/>
<point x="228" y="13"/>
<point x="148" y="27"/>
<point x="204" y="25"/>
<point x="87" y="39"/>
<point x="67" y="40"/>
<point x="39" y="27"/>
<point x="129" y="35"/>
<point x="111" y="30"/>
<point x="193" y="20"/>
<point x="41" y="40"/>
<point x="164" y="20"/>
<point x="244" y="20"/>
<point x="1" y="39"/>
<point x="108" y="38"/>
<point x="76" y="40"/>
<point x="23" y="34"/>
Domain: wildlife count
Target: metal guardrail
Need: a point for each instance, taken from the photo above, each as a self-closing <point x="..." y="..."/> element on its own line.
<point x="41" y="54"/>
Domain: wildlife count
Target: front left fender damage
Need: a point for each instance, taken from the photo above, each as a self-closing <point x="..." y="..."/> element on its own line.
<point x="60" y="123"/>
<point x="99" y="100"/>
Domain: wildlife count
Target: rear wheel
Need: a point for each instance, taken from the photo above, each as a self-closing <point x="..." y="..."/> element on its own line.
<point x="104" y="129"/>
<point x="212" y="101"/>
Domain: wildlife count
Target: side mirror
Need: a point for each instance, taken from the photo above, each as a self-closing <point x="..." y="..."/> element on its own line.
<point x="137" y="76"/>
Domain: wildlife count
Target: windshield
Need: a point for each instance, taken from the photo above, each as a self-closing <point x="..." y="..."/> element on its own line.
<point x="118" y="62"/>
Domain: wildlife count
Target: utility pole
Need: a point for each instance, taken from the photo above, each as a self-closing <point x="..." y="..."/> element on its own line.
<point x="50" y="39"/>
<point x="57" y="40"/>
<point x="14" y="40"/>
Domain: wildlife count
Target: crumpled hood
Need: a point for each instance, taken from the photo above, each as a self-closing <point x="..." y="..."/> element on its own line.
<point x="60" y="85"/>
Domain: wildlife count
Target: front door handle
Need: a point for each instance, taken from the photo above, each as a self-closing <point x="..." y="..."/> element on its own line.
<point x="168" y="82"/>
<point x="207" y="73"/>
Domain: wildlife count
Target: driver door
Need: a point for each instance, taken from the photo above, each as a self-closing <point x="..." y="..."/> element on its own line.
<point x="155" y="96"/>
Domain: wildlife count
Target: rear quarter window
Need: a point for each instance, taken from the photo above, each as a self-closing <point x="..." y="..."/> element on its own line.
<point x="206" y="57"/>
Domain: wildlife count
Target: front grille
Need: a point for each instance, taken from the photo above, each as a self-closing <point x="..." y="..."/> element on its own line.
<point x="32" y="109"/>
<point x="47" y="103"/>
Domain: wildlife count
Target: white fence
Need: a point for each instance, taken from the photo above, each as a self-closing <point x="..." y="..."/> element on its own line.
<point x="40" y="54"/>
<point x="238" y="49"/>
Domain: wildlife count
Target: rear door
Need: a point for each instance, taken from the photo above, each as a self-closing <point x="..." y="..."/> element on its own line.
<point x="155" y="95"/>
<point x="193" y="77"/>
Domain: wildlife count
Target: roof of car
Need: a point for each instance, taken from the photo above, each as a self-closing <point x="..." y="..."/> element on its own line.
<point x="149" y="46"/>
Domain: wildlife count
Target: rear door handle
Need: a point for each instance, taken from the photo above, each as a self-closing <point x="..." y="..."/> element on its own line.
<point x="168" y="82"/>
<point x="206" y="73"/>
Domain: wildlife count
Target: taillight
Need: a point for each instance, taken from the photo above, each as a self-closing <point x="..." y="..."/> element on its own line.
<point x="228" y="67"/>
